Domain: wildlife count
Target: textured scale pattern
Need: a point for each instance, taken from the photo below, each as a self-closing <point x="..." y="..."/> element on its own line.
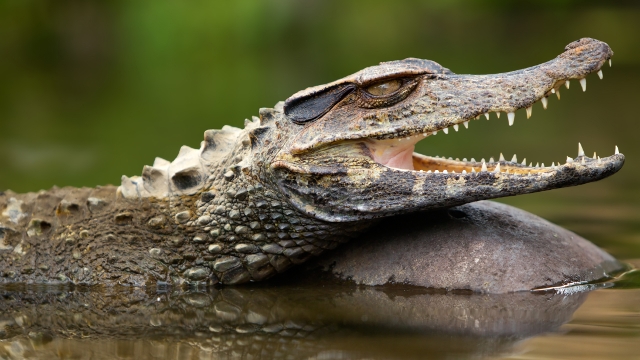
<point x="178" y="224"/>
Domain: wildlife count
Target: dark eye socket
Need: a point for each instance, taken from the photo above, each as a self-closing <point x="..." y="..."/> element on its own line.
<point x="316" y="105"/>
<point x="384" y="88"/>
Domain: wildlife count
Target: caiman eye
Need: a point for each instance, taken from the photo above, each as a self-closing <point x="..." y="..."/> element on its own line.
<point x="384" y="88"/>
<point x="386" y="93"/>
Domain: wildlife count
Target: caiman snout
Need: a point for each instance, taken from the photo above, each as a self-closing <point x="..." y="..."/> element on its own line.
<point x="582" y="57"/>
<point x="589" y="44"/>
<point x="473" y="95"/>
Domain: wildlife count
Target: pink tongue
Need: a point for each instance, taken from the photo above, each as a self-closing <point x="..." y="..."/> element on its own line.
<point x="393" y="153"/>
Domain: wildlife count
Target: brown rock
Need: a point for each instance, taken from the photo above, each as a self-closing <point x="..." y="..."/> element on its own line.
<point x="483" y="247"/>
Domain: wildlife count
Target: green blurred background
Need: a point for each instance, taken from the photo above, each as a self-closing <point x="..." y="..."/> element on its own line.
<point x="91" y="90"/>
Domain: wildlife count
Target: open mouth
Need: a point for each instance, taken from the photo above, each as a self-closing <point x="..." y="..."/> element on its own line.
<point x="398" y="153"/>
<point x="352" y="154"/>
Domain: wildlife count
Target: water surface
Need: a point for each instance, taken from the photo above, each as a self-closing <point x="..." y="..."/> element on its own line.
<point x="312" y="319"/>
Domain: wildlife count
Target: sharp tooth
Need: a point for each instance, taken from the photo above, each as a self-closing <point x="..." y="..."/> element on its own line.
<point x="450" y="158"/>
<point x="457" y="159"/>
<point x="583" y="83"/>
<point x="491" y="160"/>
<point x="529" y="110"/>
<point x="477" y="117"/>
<point x="498" y="114"/>
<point x="445" y="130"/>
<point x="464" y="171"/>
<point x="538" y="164"/>
<point x="553" y="91"/>
<point x="553" y="164"/>
<point x="437" y="172"/>
<point x="424" y="134"/>
<point x="542" y="165"/>
<point x="501" y="157"/>
<point x="486" y="115"/>
<point x="464" y="159"/>
<point x="600" y="74"/>
<point x="594" y="155"/>
<point x="511" y="116"/>
<point x="580" y="151"/>
<point x="482" y="160"/>
<point x="514" y="158"/>
<point x="617" y="151"/>
<point x="544" y="102"/>
<point x="435" y="132"/>
<point x="609" y="62"/>
<point x="453" y="171"/>
<point x="524" y="161"/>
<point x="473" y="160"/>
<point x="497" y="169"/>
<point x="599" y="160"/>
<point x="558" y="94"/>
<point x="566" y="84"/>
<point x="455" y="127"/>
<point x="429" y="172"/>
<point x="421" y="170"/>
<point x="530" y="164"/>
<point x="569" y="160"/>
<point x="484" y="166"/>
<point x="466" y="124"/>
<point x="444" y="172"/>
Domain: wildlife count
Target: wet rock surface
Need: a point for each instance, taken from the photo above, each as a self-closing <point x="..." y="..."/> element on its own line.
<point x="482" y="247"/>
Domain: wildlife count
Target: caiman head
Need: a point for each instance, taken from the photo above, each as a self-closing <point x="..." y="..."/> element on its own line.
<point x="349" y="150"/>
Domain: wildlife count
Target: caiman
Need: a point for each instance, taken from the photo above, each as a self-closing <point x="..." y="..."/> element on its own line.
<point x="300" y="179"/>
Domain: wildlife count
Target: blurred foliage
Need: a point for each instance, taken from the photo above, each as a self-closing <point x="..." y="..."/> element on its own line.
<point x="91" y="90"/>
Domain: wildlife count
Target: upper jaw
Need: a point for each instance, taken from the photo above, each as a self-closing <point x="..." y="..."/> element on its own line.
<point x="462" y="98"/>
<point x="508" y="92"/>
<point x="458" y="99"/>
<point x="447" y="100"/>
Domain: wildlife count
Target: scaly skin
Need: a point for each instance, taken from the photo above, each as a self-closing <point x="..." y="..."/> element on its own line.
<point x="304" y="177"/>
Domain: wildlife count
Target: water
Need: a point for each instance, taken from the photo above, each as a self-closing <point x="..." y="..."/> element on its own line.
<point x="320" y="322"/>
<point x="93" y="90"/>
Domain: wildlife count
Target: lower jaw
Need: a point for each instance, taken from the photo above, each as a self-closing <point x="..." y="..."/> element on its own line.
<point x="434" y="164"/>
<point x="398" y="154"/>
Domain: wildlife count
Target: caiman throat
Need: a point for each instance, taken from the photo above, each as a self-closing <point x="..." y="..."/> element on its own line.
<point x="307" y="175"/>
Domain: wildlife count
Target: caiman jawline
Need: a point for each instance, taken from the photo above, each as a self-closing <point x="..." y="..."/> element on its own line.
<point x="398" y="153"/>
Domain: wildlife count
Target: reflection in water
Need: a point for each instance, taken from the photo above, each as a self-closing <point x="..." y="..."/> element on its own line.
<point x="604" y="327"/>
<point x="285" y="321"/>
